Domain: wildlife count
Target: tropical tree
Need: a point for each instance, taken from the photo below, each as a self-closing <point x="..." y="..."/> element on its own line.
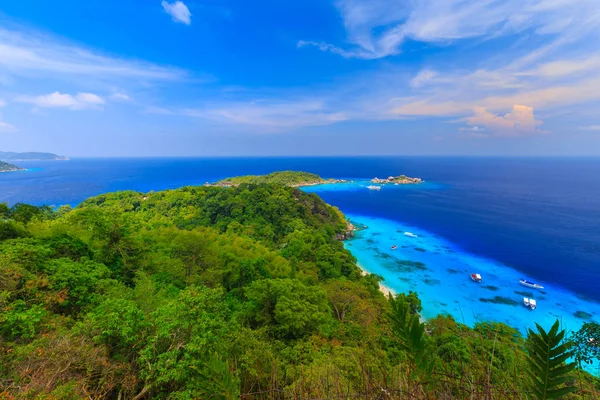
<point x="410" y="331"/>
<point x="587" y="343"/>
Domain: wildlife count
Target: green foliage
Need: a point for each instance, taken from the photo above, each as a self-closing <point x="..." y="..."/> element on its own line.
<point x="216" y="380"/>
<point x="287" y="178"/>
<point x="586" y="343"/>
<point x="214" y="292"/>
<point x="24" y="213"/>
<point x="287" y="306"/>
<point x="17" y="321"/>
<point x="119" y="324"/>
<point x="10" y="230"/>
<point x="76" y="284"/>
<point x="549" y="369"/>
<point x="413" y="300"/>
<point x="410" y="331"/>
<point x="4" y="211"/>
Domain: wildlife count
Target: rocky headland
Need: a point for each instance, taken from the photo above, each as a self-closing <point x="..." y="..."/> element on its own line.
<point x="398" y="180"/>
<point x="6" y="167"/>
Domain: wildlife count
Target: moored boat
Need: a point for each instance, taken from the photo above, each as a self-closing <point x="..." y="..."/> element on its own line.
<point x="373" y="187"/>
<point x="530" y="303"/>
<point x="476" y="278"/>
<point x="394" y="247"/>
<point x="410" y="234"/>
<point x="530" y="284"/>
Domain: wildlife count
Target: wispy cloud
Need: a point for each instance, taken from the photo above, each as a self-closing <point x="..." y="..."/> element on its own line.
<point x="423" y="77"/>
<point x="120" y="97"/>
<point x="80" y="101"/>
<point x="23" y="53"/>
<point x="590" y="128"/>
<point x="158" y="110"/>
<point x="178" y="11"/>
<point x="270" y="116"/>
<point x="378" y="28"/>
<point x="5" y="127"/>
<point x="2" y="103"/>
<point x="262" y="115"/>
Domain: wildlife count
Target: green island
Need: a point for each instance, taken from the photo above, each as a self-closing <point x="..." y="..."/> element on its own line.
<point x="6" y="167"/>
<point x="287" y="178"/>
<point x="241" y="292"/>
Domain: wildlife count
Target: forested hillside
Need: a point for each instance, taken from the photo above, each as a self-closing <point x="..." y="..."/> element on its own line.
<point x="241" y="292"/>
<point x="288" y="178"/>
<point x="6" y="167"/>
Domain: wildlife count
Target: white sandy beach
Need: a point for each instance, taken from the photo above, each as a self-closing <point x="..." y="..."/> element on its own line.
<point x="384" y="289"/>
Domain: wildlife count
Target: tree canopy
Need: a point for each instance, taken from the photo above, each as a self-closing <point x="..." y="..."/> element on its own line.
<point x="240" y="292"/>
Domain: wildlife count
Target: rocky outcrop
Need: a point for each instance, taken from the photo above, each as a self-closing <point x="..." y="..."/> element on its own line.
<point x="349" y="232"/>
<point x="6" y="167"/>
<point x="400" y="180"/>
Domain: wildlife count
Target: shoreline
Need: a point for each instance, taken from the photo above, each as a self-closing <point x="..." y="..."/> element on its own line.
<point x="382" y="288"/>
<point x="437" y="271"/>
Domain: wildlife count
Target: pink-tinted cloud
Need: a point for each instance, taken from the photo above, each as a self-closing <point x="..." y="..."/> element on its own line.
<point x="519" y="121"/>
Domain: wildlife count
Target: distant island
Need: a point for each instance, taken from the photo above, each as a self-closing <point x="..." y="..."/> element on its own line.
<point x="29" y="156"/>
<point x="286" y="178"/>
<point x="301" y="179"/>
<point x="6" y="167"/>
<point x="398" y="180"/>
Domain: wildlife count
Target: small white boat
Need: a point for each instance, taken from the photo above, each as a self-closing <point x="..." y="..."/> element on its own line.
<point x="373" y="187"/>
<point x="530" y="284"/>
<point x="476" y="278"/>
<point x="410" y="234"/>
<point x="530" y="303"/>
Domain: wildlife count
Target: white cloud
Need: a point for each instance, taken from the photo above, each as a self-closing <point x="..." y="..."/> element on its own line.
<point x="178" y="11"/>
<point x="518" y="122"/>
<point x="28" y="53"/>
<point x="270" y="116"/>
<point x="590" y="128"/>
<point x="378" y="28"/>
<point x="2" y="103"/>
<point x="120" y="97"/>
<point x="423" y="77"/>
<point x="79" y="101"/>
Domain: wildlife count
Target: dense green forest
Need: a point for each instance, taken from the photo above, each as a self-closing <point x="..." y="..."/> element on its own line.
<point x="241" y="292"/>
<point x="288" y="178"/>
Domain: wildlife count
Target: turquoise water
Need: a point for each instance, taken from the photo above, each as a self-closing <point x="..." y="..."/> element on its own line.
<point x="439" y="271"/>
<point x="494" y="216"/>
<point x="360" y="185"/>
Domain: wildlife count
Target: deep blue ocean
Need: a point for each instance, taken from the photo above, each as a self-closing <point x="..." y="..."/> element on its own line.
<point x="537" y="218"/>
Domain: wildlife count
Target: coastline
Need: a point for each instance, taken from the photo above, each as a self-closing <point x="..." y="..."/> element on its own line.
<point x="382" y="288"/>
<point x="439" y="272"/>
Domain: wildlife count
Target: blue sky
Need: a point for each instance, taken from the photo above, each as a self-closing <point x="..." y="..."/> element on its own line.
<point x="342" y="77"/>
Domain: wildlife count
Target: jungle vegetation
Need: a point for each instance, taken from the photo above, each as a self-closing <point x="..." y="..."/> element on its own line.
<point x="288" y="178"/>
<point x="241" y="292"/>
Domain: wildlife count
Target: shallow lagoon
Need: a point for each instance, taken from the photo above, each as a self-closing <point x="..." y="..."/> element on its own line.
<point x="439" y="272"/>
